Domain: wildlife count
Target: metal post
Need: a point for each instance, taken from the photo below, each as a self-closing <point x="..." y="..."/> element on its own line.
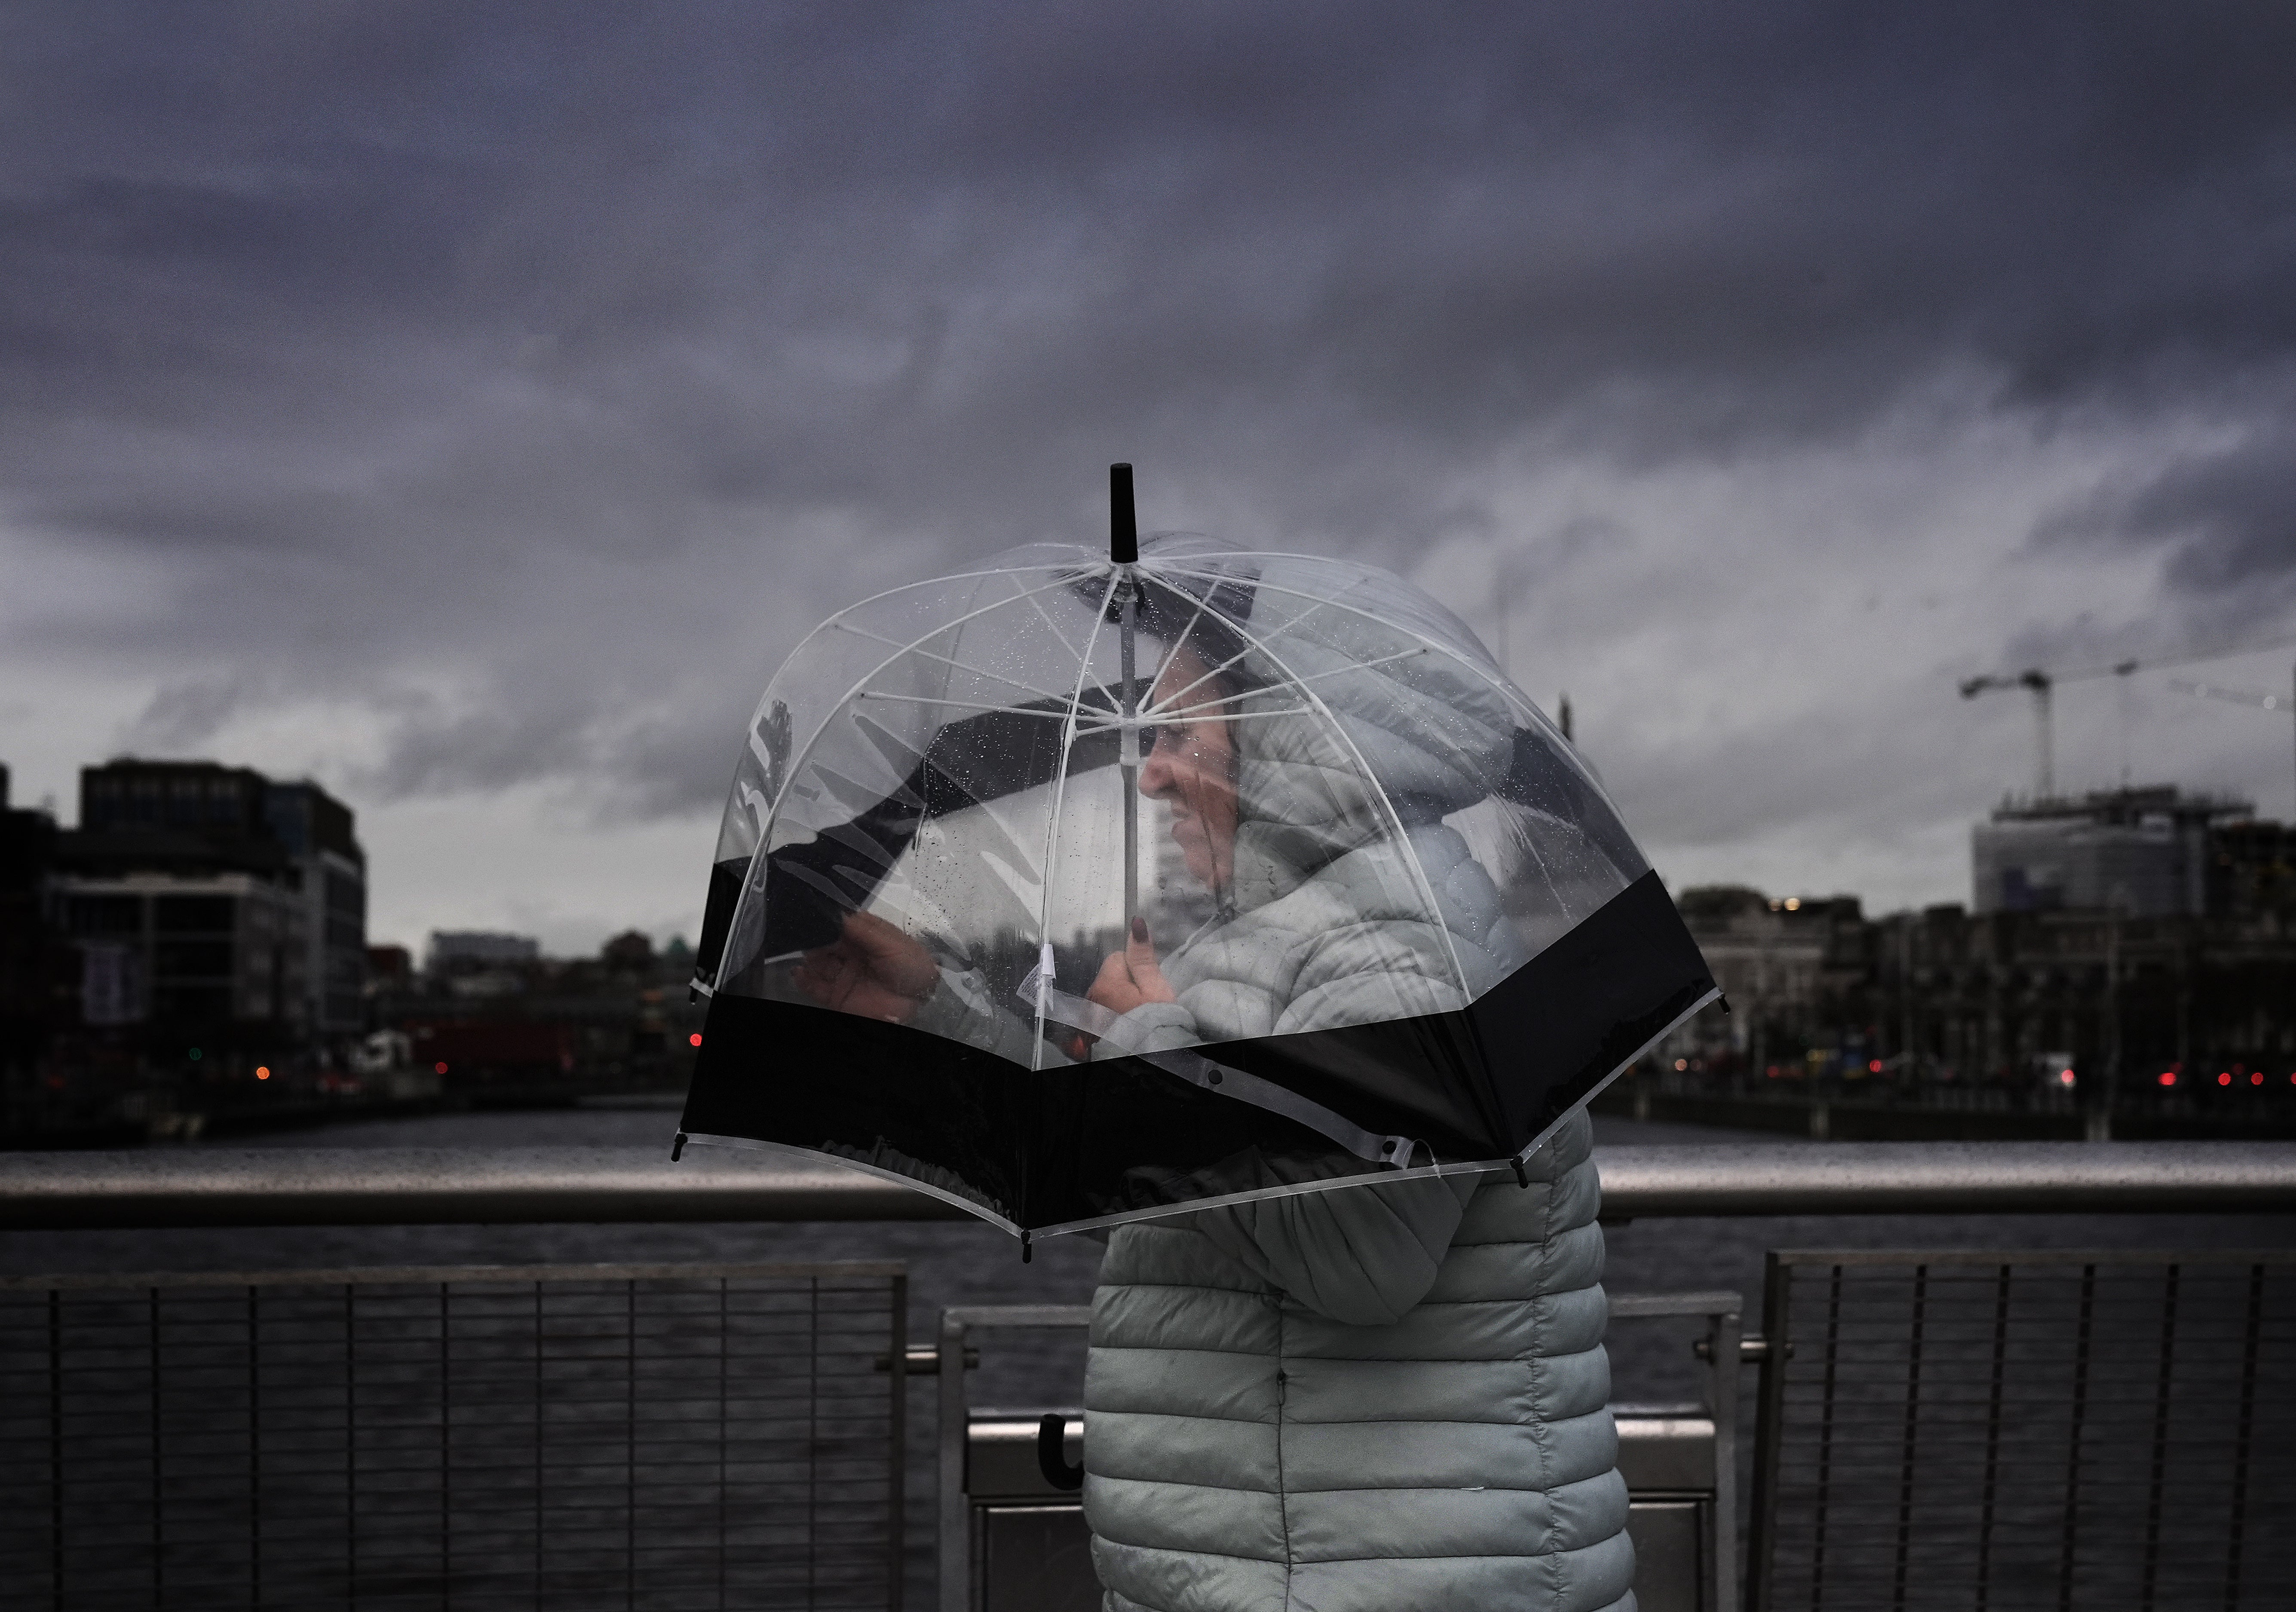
<point x="1771" y="1405"/>
<point x="956" y="1592"/>
<point x="2101" y="1105"/>
<point x="1722" y="1348"/>
<point x="897" y="1361"/>
<point x="959" y="1579"/>
<point x="1722" y="1404"/>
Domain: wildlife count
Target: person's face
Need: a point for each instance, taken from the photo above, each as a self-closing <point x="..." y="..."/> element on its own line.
<point x="1192" y="769"/>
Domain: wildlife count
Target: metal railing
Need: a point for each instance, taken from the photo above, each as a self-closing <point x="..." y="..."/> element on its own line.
<point x="474" y="1554"/>
<point x="415" y="1186"/>
<point x="986" y="1493"/>
<point x="1010" y="1539"/>
<point x="2087" y="1430"/>
<point x="561" y="1436"/>
<point x="1681" y="1464"/>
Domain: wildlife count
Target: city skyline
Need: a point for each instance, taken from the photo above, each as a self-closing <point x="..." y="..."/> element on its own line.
<point x="469" y="406"/>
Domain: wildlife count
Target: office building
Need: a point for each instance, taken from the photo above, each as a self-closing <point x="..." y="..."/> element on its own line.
<point x="207" y="895"/>
<point x="2144" y="852"/>
<point x="331" y="870"/>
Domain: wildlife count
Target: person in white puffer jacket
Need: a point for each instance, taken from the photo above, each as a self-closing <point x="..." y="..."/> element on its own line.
<point x="1386" y="1398"/>
<point x="1372" y="1399"/>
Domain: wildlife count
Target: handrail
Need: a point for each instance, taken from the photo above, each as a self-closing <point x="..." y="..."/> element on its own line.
<point x="1950" y="1178"/>
<point x="200" y="1186"/>
<point x="434" y="1186"/>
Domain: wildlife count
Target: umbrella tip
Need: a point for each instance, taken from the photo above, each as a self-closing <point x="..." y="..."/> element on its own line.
<point x="1123" y="525"/>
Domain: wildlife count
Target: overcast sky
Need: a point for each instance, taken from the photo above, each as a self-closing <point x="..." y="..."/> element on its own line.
<point x="469" y="404"/>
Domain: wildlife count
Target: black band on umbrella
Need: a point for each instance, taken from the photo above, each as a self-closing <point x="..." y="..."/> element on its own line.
<point x="1048" y="1146"/>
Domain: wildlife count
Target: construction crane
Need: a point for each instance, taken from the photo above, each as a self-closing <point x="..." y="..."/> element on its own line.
<point x="2041" y="682"/>
<point x="2283" y="703"/>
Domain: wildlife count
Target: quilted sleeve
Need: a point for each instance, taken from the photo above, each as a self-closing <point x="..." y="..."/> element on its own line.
<point x="1363" y="1255"/>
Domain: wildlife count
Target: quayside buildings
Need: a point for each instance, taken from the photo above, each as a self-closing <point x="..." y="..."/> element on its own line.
<point x="193" y="957"/>
<point x="211" y="896"/>
<point x="201" y="919"/>
<point x="2123" y="942"/>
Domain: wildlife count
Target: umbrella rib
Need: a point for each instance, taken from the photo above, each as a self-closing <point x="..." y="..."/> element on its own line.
<point x="1232" y="659"/>
<point x="1507" y="690"/>
<point x="1378" y="793"/>
<point x="927" y="582"/>
<point x="967" y="705"/>
<point x="1118" y="727"/>
<point x="1553" y="889"/>
<point x="798" y="758"/>
<point x="1360" y="665"/>
<point x="838" y="621"/>
<point x="1059" y="794"/>
<point x="1038" y="605"/>
<point x="1179" y="639"/>
<point x="1515" y="698"/>
<point x="978" y="671"/>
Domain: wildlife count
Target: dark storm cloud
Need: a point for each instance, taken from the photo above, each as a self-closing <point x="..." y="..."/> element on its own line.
<point x="181" y="717"/>
<point x="2229" y="518"/>
<point x="363" y="319"/>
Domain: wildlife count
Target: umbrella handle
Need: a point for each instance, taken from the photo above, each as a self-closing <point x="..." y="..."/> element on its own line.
<point x="1052" y="1458"/>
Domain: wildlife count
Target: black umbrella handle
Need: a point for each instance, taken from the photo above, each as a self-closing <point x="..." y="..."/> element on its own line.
<point x="1052" y="1459"/>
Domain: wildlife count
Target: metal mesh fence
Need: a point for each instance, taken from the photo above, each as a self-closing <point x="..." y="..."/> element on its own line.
<point x="1974" y="1430"/>
<point x="563" y="1437"/>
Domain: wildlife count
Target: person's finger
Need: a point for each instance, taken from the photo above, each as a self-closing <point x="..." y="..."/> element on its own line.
<point x="891" y="953"/>
<point x="1112" y="987"/>
<point x="870" y="935"/>
<point x="1147" y="972"/>
<point x="816" y="983"/>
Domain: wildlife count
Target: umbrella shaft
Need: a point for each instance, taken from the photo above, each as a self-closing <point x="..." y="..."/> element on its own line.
<point x="1130" y="755"/>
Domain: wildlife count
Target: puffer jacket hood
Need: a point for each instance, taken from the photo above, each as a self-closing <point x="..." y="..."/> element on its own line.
<point x="1346" y="740"/>
<point x="1351" y="901"/>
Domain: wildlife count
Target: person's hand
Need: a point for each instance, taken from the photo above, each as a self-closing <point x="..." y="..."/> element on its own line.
<point x="1131" y="977"/>
<point x="873" y="970"/>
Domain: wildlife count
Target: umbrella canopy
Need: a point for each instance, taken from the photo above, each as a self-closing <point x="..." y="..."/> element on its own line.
<point x="1080" y="888"/>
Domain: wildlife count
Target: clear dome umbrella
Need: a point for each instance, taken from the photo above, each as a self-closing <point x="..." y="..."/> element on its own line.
<point x="1079" y="887"/>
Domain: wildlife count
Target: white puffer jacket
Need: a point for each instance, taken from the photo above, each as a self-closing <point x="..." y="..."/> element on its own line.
<point x="1355" y="943"/>
<point x="1372" y="1400"/>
